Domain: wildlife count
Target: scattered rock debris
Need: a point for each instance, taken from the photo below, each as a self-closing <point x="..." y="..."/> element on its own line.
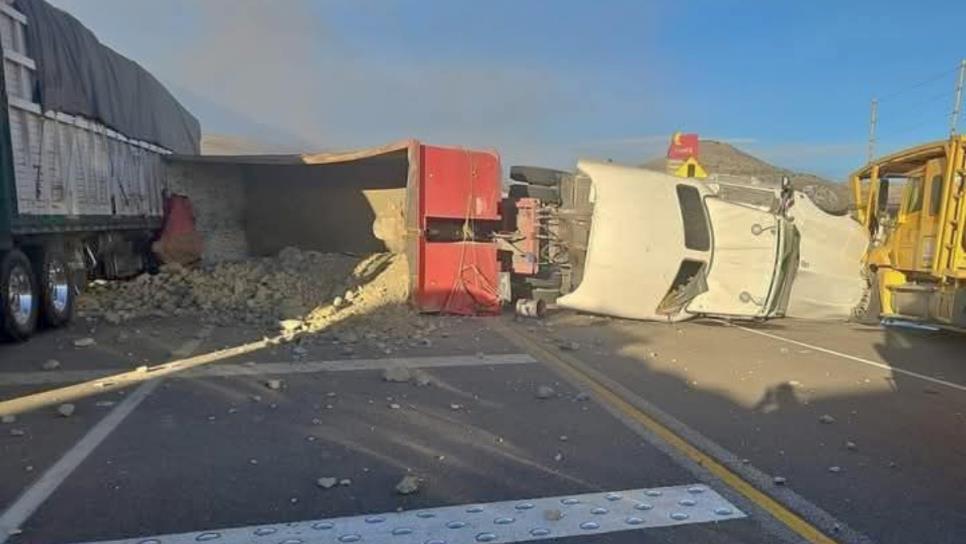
<point x="826" y="419"/>
<point x="545" y="392"/>
<point x="397" y="374"/>
<point x="582" y="397"/>
<point x="8" y="418"/>
<point x="66" y="410"/>
<point x="345" y="482"/>
<point x="274" y="385"/>
<point x="290" y="325"/>
<point x="455" y="406"/>
<point x="423" y="379"/>
<point x="50" y="364"/>
<point x="85" y="342"/>
<point x="779" y="480"/>
<point x="569" y="346"/>
<point x="553" y="515"/>
<point x="849" y="445"/>
<point x="408" y="485"/>
<point x="295" y="291"/>
<point x="835" y="469"/>
<point x="558" y="457"/>
<point x="17" y="432"/>
<point x="326" y="482"/>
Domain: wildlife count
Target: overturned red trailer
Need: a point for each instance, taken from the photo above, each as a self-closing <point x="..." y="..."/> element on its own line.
<point x="430" y="203"/>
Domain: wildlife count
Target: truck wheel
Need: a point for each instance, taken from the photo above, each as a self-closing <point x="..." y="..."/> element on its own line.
<point x="535" y="175"/>
<point x="18" y="296"/>
<point x="551" y="281"/>
<point x="56" y="288"/>
<point x="546" y="195"/>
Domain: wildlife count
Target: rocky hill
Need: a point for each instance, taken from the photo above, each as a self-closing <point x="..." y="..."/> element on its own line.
<point x="722" y="158"/>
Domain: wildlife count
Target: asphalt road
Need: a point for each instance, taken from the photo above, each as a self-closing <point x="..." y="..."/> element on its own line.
<point x="865" y="425"/>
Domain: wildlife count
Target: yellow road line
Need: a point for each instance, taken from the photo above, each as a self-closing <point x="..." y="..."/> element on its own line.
<point x="571" y="366"/>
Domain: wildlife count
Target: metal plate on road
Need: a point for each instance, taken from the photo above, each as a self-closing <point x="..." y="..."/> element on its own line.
<point x="505" y="521"/>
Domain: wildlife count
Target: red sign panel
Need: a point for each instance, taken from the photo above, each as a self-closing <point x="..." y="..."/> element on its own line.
<point x="683" y="147"/>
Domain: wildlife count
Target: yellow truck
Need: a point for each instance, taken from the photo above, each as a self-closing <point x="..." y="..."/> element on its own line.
<point x="912" y="203"/>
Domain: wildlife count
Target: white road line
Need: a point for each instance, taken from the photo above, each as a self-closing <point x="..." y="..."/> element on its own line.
<point x="36" y="494"/>
<point x="233" y="369"/>
<point x="897" y="370"/>
<point x="505" y="521"/>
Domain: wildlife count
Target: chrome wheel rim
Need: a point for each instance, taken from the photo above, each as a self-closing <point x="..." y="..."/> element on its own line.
<point x="58" y="286"/>
<point x="20" y="297"/>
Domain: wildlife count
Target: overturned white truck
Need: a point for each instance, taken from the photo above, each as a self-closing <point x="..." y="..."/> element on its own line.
<point x="82" y="134"/>
<point x="639" y="244"/>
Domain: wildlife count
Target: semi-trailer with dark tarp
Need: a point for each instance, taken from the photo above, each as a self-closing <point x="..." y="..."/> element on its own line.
<point x="82" y="134"/>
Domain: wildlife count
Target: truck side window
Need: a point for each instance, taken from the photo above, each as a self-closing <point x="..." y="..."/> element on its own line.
<point x="915" y="195"/>
<point x="696" y="232"/>
<point x="935" y="194"/>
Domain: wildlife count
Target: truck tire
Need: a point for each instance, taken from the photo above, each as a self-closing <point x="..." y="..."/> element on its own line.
<point x="535" y="175"/>
<point x="548" y="296"/>
<point x="19" y="303"/>
<point x="546" y="195"/>
<point x="551" y="281"/>
<point x="56" y="288"/>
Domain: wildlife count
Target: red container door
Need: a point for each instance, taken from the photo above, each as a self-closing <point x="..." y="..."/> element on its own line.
<point x="458" y="276"/>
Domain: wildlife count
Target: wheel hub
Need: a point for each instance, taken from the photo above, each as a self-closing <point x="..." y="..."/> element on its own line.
<point x="58" y="286"/>
<point x="20" y="298"/>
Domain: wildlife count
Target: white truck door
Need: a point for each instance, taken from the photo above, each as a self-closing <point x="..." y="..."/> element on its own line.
<point x="743" y="261"/>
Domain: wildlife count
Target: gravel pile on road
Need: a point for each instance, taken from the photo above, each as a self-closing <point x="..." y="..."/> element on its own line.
<point x="295" y="290"/>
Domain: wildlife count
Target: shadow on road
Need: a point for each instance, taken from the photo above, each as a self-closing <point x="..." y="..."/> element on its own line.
<point x="856" y="439"/>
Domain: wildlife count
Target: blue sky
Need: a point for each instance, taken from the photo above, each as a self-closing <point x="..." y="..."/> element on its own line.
<point x="546" y="82"/>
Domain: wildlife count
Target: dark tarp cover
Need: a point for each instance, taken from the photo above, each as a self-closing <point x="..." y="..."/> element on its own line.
<point x="76" y="74"/>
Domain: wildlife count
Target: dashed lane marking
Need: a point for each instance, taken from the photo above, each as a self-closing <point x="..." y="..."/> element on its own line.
<point x="506" y="521"/>
<point x="35" y="495"/>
